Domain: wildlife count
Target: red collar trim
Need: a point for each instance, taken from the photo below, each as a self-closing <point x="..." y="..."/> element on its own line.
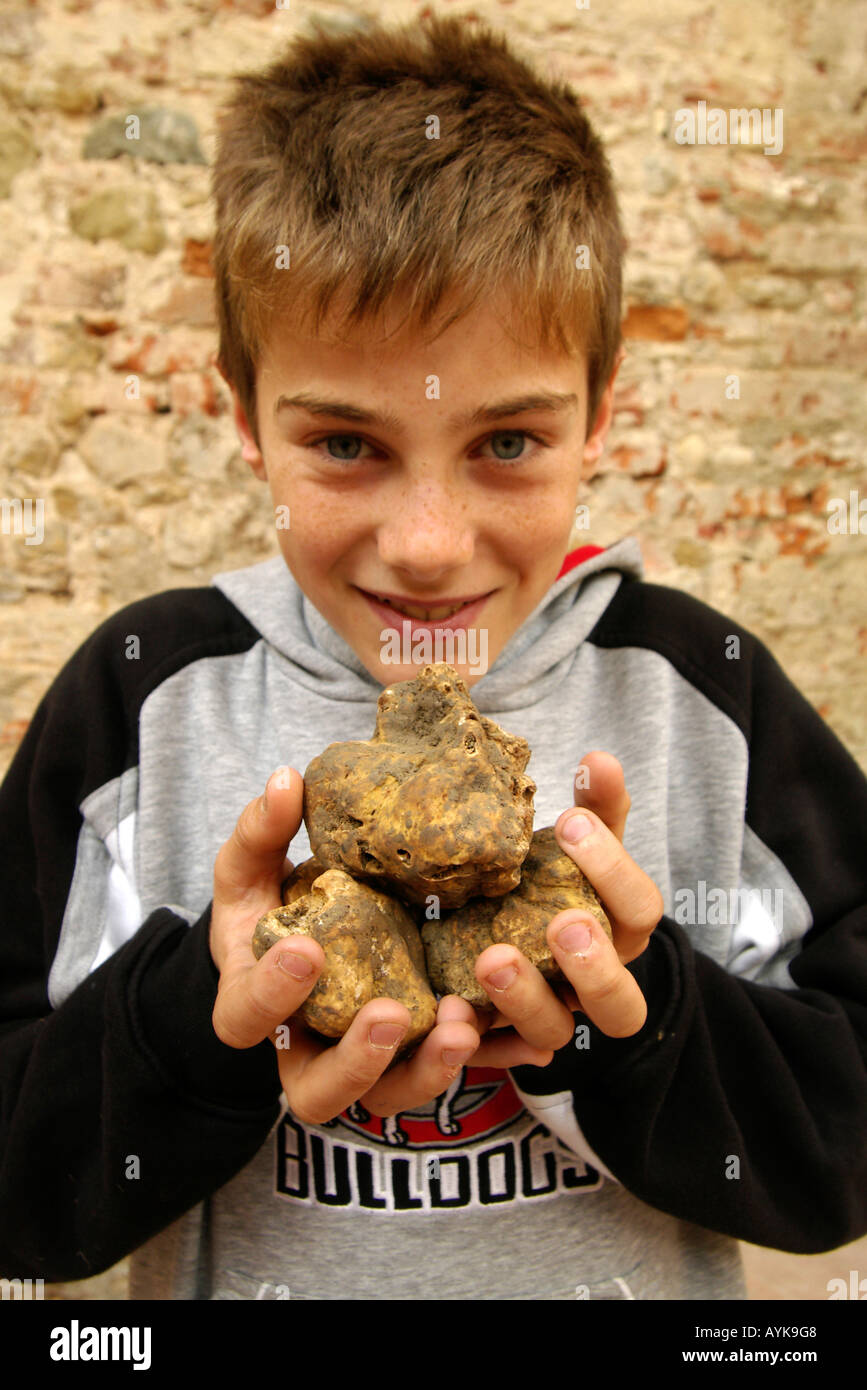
<point x="577" y="557"/>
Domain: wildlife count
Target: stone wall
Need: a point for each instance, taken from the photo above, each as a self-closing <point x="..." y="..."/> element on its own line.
<point x="741" y="406"/>
<point x="740" y="410"/>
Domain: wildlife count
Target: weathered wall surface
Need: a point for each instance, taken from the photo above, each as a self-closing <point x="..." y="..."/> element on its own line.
<point x="741" y="408"/>
<point x="743" y="265"/>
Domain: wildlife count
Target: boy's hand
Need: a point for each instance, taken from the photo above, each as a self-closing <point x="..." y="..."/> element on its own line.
<point x="599" y="983"/>
<point x="255" y="997"/>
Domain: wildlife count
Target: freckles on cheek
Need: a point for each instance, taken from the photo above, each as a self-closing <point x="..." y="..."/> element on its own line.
<point x="539" y="543"/>
<point x="322" y="528"/>
<point x="544" y="522"/>
<point x="340" y="522"/>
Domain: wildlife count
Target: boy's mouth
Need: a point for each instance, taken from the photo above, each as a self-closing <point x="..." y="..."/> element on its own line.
<point x="454" y="612"/>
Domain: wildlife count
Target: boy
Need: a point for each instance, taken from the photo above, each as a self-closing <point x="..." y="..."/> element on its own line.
<point x="425" y="453"/>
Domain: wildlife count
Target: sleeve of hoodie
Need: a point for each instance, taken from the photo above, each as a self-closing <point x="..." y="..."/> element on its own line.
<point x="129" y="1064"/>
<point x="740" y="1106"/>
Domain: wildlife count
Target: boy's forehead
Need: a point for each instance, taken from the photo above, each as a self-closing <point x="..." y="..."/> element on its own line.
<point x="487" y="337"/>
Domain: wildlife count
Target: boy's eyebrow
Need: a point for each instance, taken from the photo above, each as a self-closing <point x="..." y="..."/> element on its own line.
<point x="497" y="410"/>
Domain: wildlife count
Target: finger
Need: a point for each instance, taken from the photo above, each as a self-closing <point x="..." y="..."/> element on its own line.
<point x="522" y="996"/>
<point x="406" y="1085"/>
<point x="429" y="1072"/>
<point x="509" y="1049"/>
<point x="632" y="900"/>
<point x="485" y="1019"/>
<point x="609" y="995"/>
<point x="453" y="1009"/>
<point x="599" y="785"/>
<point x="320" y="1085"/>
<point x="497" y="1020"/>
<point x="250" y="863"/>
<point x="566" y="993"/>
<point x="255" y="997"/>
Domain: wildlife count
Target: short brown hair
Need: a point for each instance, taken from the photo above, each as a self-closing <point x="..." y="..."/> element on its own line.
<point x="325" y="153"/>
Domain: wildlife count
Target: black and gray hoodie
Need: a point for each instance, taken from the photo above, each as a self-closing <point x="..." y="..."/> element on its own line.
<point x="627" y="1168"/>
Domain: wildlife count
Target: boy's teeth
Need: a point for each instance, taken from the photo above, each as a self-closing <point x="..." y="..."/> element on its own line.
<point x="415" y="610"/>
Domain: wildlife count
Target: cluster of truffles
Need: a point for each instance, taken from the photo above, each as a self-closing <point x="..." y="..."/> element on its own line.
<point x="423" y="855"/>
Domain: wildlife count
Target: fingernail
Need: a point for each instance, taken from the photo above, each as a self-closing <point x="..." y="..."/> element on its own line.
<point x="575" y="937"/>
<point x="455" y="1059"/>
<point x="278" y="781"/>
<point x="575" y="828"/>
<point x="297" y="966"/>
<point x="501" y="979"/>
<point x="385" y="1035"/>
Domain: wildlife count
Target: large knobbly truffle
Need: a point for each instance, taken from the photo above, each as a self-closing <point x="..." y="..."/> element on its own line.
<point x="550" y="883"/>
<point x="372" y="950"/>
<point x="434" y="811"/>
<point x="452" y="946"/>
<point x="301" y="880"/>
<point x="436" y="802"/>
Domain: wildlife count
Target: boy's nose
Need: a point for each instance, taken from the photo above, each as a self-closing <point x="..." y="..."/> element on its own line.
<point x="427" y="533"/>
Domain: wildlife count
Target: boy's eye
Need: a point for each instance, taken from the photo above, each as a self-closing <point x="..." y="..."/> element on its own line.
<point x="352" y="442"/>
<point x="514" y="439"/>
<point x="510" y="441"/>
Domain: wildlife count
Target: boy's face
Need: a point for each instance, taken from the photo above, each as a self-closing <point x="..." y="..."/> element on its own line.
<point x="447" y="500"/>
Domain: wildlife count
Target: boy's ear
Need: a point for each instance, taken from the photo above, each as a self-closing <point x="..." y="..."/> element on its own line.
<point x="250" y="451"/>
<point x="595" y="442"/>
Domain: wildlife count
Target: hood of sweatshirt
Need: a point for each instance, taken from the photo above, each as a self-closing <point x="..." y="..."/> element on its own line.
<point x="536" y="658"/>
